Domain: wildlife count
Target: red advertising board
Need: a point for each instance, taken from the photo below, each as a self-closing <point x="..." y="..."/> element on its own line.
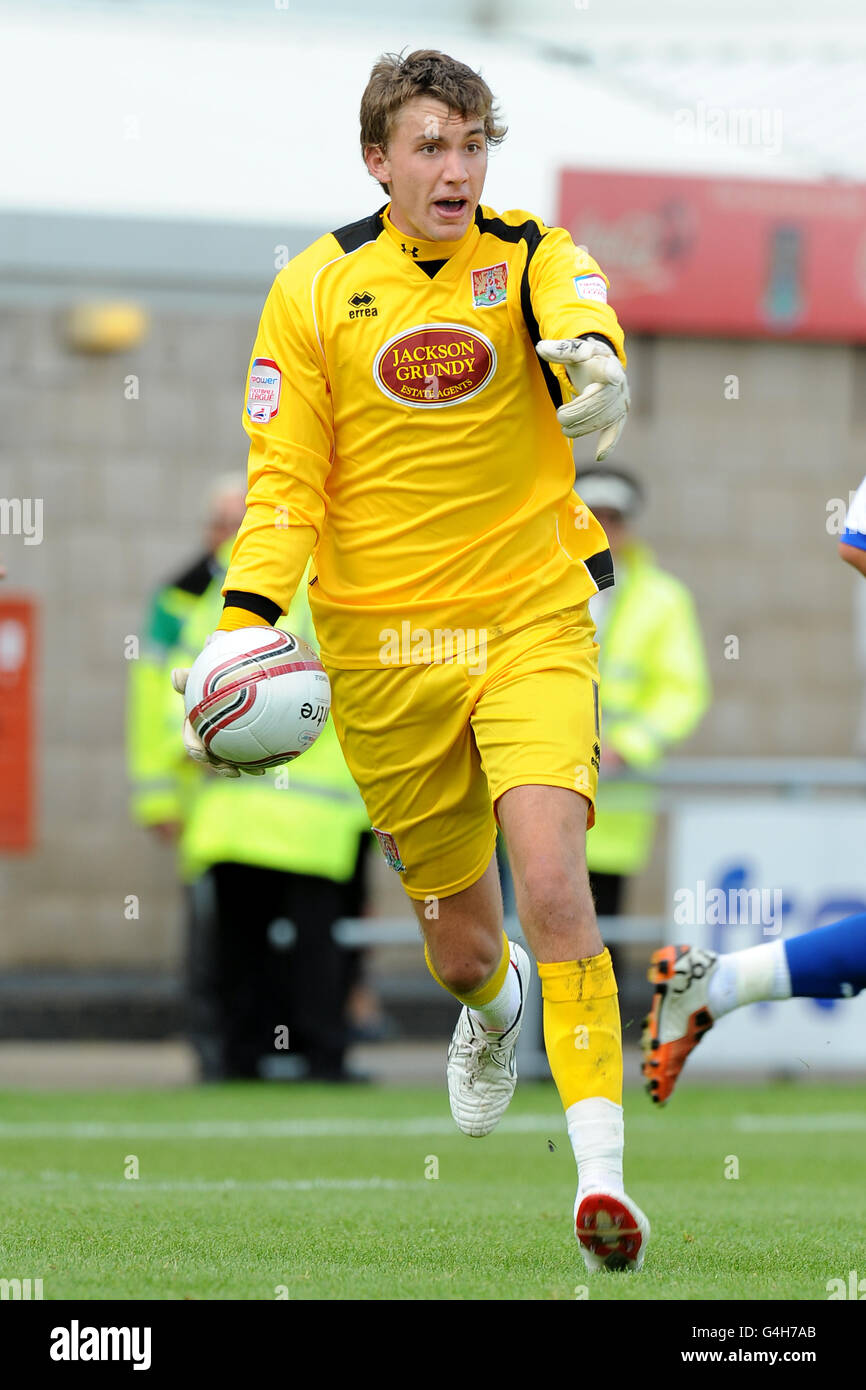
<point x="734" y="257"/>
<point x="17" y="634"/>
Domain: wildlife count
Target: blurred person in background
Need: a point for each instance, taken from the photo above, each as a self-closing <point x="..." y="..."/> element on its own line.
<point x="270" y="863"/>
<point x="654" y="682"/>
<point x="152" y="752"/>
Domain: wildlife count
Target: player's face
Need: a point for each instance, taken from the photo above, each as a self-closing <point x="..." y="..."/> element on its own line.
<point x="435" y="166"/>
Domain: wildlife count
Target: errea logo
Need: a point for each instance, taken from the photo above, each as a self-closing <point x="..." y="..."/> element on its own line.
<point x="360" y="302"/>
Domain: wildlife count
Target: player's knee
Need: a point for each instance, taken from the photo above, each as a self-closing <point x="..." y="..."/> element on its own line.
<point x="465" y="973"/>
<point x="552" y="898"/>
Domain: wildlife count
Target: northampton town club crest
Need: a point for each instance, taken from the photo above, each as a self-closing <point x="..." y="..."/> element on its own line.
<point x="390" y="850"/>
<point x="489" y="285"/>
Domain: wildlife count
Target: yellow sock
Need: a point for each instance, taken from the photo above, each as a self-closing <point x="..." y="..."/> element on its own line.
<point x="582" y="1032"/>
<point x="477" y="998"/>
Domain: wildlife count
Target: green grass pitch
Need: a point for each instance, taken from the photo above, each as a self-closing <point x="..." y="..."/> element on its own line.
<point x="263" y="1191"/>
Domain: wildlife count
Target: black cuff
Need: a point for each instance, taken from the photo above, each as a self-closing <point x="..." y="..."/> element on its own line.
<point x="254" y="603"/>
<point x="599" y="337"/>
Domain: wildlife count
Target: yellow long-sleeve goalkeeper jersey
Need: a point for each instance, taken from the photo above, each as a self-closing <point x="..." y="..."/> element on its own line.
<point x="403" y="430"/>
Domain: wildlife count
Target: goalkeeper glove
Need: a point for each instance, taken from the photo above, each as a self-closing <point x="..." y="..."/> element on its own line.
<point x="602" y="396"/>
<point x="191" y="741"/>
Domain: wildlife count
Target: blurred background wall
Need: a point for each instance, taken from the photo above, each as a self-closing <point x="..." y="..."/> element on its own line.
<point x="172" y="155"/>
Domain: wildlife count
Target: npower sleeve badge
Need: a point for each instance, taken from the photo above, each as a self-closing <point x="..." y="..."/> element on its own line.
<point x="263" y="397"/>
<point x="435" y="365"/>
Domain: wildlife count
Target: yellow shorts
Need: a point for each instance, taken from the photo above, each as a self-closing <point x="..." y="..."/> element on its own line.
<point x="432" y="747"/>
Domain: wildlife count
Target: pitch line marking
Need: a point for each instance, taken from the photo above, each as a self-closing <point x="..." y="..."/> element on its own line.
<point x="259" y="1129"/>
<point x="852" y="1120"/>
<point x="421" y="1126"/>
<point x="50" y="1178"/>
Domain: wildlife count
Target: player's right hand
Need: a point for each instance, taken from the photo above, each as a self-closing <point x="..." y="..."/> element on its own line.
<point x="191" y="741"/>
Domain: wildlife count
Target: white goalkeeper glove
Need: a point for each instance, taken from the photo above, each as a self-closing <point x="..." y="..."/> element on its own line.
<point x="191" y="741"/>
<point x="602" y="398"/>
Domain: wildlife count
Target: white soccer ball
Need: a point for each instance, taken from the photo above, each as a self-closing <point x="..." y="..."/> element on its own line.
<point x="257" y="697"/>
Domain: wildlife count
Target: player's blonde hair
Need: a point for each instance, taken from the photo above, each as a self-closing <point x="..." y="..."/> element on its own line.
<point x="426" y="72"/>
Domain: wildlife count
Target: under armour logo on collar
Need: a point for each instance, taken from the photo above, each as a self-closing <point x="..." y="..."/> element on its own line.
<point x="405" y="249"/>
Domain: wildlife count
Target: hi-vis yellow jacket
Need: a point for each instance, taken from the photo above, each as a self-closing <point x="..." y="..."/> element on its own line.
<point x="654" y="688"/>
<point x="305" y="818"/>
<point x="403" y="432"/>
<point x="151" y="732"/>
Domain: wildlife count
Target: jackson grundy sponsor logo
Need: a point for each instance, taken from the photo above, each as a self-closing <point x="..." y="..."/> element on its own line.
<point x="434" y="365"/>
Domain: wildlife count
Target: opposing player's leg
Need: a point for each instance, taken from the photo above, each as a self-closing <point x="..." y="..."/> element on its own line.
<point x="545" y="829"/>
<point x="695" y="987"/>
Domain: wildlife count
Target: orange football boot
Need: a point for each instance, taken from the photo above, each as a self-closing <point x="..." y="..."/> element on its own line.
<point x="679" y="1016"/>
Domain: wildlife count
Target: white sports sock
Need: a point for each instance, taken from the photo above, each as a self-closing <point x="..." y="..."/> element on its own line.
<point x="744" y="977"/>
<point x="596" y="1130"/>
<point x="501" y="1012"/>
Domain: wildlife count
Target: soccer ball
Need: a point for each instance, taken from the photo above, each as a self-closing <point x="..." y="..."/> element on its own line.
<point x="257" y="697"/>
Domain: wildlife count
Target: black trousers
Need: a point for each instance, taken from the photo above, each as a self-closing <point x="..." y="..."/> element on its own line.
<point x="262" y="960"/>
<point x="607" y="890"/>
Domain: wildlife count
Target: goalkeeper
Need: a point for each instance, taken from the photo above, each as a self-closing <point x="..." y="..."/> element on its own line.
<point x="414" y="385"/>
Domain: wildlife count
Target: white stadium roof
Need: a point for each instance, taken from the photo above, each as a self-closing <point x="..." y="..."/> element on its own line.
<point x="248" y="111"/>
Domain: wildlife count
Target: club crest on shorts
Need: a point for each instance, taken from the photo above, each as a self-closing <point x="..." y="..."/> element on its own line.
<point x="489" y="285"/>
<point x="263" y="397"/>
<point x="389" y="849"/>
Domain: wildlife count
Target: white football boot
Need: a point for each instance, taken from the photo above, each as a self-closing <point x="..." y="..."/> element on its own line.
<point x="482" y="1070"/>
<point x="612" y="1231"/>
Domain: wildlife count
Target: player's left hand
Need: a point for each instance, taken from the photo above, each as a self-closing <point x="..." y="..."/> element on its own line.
<point x="602" y="399"/>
